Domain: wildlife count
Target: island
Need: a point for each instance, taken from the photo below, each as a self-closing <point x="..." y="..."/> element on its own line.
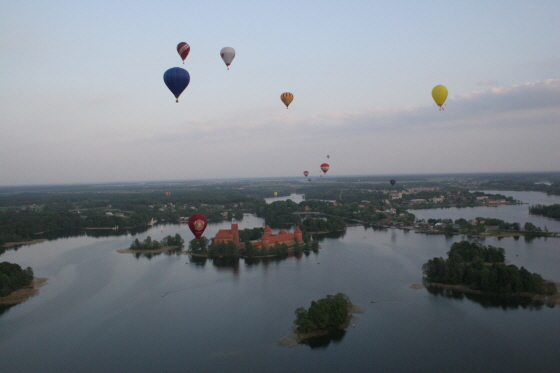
<point x="330" y="314"/>
<point x="151" y="246"/>
<point x="251" y="243"/>
<point x="471" y="267"/>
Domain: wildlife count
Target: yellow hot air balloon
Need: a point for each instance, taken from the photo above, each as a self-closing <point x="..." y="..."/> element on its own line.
<point x="275" y="194"/>
<point x="287" y="98"/>
<point x="439" y="93"/>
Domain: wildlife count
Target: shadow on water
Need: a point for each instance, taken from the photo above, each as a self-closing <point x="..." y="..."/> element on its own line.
<point x="5" y="307"/>
<point x="490" y="301"/>
<point x="322" y="342"/>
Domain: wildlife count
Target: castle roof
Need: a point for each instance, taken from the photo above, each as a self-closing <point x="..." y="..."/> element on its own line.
<point x="224" y="234"/>
<point x="282" y="231"/>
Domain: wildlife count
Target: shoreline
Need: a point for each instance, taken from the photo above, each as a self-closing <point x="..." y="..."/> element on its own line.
<point x="12" y="244"/>
<point x="21" y="295"/>
<point x="160" y="250"/>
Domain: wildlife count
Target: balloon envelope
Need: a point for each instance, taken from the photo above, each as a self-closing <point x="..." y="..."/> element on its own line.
<point x="392" y="181"/>
<point x="305" y="173"/>
<point x="439" y="93"/>
<point x="183" y="49"/>
<point x="176" y="79"/>
<point x="227" y="53"/>
<point x="287" y="98"/>
<point x="325" y="167"/>
<point x="275" y="194"/>
<point x="197" y="224"/>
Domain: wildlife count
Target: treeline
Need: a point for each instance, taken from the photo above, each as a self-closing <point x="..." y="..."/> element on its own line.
<point x="550" y="211"/>
<point x="326" y="313"/>
<point x="481" y="268"/>
<point x="279" y="213"/>
<point x="13" y="277"/>
<point x="149" y="244"/>
<point x="321" y="225"/>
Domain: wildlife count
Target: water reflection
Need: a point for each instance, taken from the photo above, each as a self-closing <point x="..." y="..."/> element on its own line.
<point x="139" y="254"/>
<point x="322" y="342"/>
<point x="490" y="301"/>
<point x="322" y="236"/>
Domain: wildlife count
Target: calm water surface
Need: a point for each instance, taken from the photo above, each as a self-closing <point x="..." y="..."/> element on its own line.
<point x="104" y="311"/>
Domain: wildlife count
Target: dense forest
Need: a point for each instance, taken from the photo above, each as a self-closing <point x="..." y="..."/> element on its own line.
<point x="482" y="268"/>
<point x="326" y="313"/>
<point x="550" y="211"/>
<point x="13" y="277"/>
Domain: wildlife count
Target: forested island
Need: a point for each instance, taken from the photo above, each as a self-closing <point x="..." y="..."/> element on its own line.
<point x="150" y="245"/>
<point x="473" y="267"/>
<point x="332" y="313"/>
<point x="550" y="211"/>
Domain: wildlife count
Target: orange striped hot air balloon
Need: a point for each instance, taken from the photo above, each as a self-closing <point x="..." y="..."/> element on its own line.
<point x="287" y="98"/>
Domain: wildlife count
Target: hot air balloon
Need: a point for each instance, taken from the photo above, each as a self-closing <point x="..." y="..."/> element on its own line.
<point x="183" y="49"/>
<point x="167" y="194"/>
<point x="305" y="173"/>
<point x="392" y="181"/>
<point x="176" y="79"/>
<point x="227" y="53"/>
<point x="328" y="156"/>
<point x="275" y="194"/>
<point x="325" y="167"/>
<point x="197" y="224"/>
<point x="287" y="98"/>
<point x="439" y="93"/>
<point x="293" y="187"/>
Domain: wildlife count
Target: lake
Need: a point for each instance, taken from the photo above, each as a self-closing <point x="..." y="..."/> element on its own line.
<point x="104" y="311"/>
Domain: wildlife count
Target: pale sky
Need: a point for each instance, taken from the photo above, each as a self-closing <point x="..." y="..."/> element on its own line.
<point x="82" y="97"/>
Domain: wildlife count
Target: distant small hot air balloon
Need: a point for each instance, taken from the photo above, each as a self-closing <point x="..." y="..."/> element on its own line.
<point x="287" y="98"/>
<point x="227" y="53"/>
<point x="275" y="194"/>
<point x="392" y="181"/>
<point x="325" y="167"/>
<point x="183" y="49"/>
<point x="328" y="156"/>
<point x="197" y="224"/>
<point x="176" y="79"/>
<point x="293" y="187"/>
<point x="305" y="173"/>
<point x="167" y="194"/>
<point x="439" y="93"/>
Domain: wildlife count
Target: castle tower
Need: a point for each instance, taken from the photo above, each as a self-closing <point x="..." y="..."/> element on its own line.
<point x="267" y="231"/>
<point x="299" y="234"/>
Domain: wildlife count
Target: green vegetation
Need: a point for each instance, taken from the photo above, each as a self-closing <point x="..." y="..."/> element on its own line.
<point x="321" y="225"/>
<point x="149" y="244"/>
<point x="12" y="277"/>
<point x="331" y="312"/>
<point x="550" y="211"/>
<point x="481" y="268"/>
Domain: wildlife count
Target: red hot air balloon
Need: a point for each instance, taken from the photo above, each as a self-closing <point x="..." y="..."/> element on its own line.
<point x="325" y="167"/>
<point x="305" y="173"/>
<point x="197" y="224"/>
<point x="167" y="194"/>
<point x="183" y="49"/>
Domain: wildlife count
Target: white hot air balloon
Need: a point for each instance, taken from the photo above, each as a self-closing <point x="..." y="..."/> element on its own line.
<point x="227" y="53"/>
